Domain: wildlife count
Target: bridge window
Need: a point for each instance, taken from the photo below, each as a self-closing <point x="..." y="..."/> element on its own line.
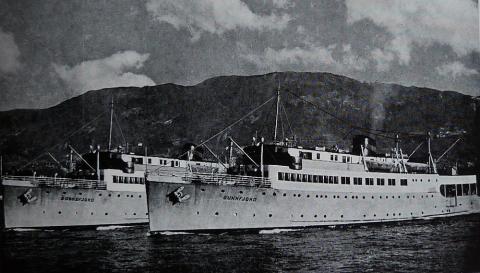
<point x="403" y="182"/>
<point x="473" y="189"/>
<point x="459" y="190"/>
<point x="318" y="156"/>
<point x="450" y="190"/>
<point x="466" y="190"/>
<point x="391" y="182"/>
<point x="306" y="155"/>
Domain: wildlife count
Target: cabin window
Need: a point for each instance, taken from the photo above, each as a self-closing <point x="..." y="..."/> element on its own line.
<point x="330" y="180"/>
<point x="344" y="159"/>
<point x="149" y="161"/>
<point x="306" y="155"/>
<point x="309" y="178"/>
<point x="380" y="181"/>
<point x="287" y="177"/>
<point x="369" y="181"/>
<point x="177" y="163"/>
<point x="331" y="157"/>
<point x="336" y="157"/>
<point x="347" y="180"/>
<point x="115" y="179"/>
<point x="325" y="179"/>
<point x="459" y="190"/>
<point x="320" y="179"/>
<point x="335" y="179"/>
<point x="450" y="190"/>
<point x="348" y="159"/>
<point x="466" y="190"/>
<point x="299" y="178"/>
<point x="304" y="178"/>
<point x="342" y="180"/>
<point x="318" y="156"/>
<point x="280" y="176"/>
<point x="315" y="179"/>
<point x="357" y="181"/>
<point x="403" y="182"/>
<point x="391" y="182"/>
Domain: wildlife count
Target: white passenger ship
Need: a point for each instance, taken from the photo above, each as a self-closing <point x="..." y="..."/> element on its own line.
<point x="279" y="185"/>
<point x="114" y="194"/>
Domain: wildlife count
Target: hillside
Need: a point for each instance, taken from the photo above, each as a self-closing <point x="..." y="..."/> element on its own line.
<point x="167" y="116"/>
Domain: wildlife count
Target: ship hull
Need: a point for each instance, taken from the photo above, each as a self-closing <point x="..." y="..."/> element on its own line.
<point x="65" y="207"/>
<point x="222" y="207"/>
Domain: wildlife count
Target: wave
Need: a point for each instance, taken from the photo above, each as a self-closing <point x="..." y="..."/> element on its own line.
<point x="276" y="230"/>
<point x="25" y="229"/>
<point x="168" y="233"/>
<point x="111" y="227"/>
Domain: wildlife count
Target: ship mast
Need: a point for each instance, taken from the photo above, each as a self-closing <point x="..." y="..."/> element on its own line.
<point x="276" y="115"/>
<point x="111" y="122"/>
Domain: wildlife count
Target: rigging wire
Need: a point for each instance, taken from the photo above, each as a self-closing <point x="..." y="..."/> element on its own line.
<point x="64" y="139"/>
<point x="375" y="132"/>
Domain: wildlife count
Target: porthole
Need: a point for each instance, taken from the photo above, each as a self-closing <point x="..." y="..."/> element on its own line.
<point x="109" y="195"/>
<point x="91" y="213"/>
<point x="270" y="215"/>
<point x="99" y="194"/>
<point x="198" y="213"/>
<point x="393" y="196"/>
<point x="316" y="196"/>
<point x="326" y="196"/>
<point x="315" y="216"/>
<point x="386" y="197"/>
<point x="408" y="196"/>
<point x="394" y="214"/>
<point x="364" y="216"/>
<point x="387" y="214"/>
<point x="263" y="193"/>
<point x="59" y="212"/>
<point x="363" y="197"/>
<point x="222" y="190"/>
<point x="294" y="195"/>
<point x="334" y="197"/>
<point x="301" y="216"/>
<point x="43" y="212"/>
<point x="413" y="196"/>
<point x="399" y="214"/>
<point x="374" y="215"/>
<point x="47" y="191"/>
<point x="202" y="189"/>
<point x="274" y="194"/>
<point x="76" y="213"/>
<point x="134" y="213"/>
<point x="341" y="216"/>
<point x="373" y="197"/>
<point x="79" y="193"/>
<point x="325" y="216"/>
<point x="346" y="197"/>
<point x="353" y="197"/>
<point x="128" y="195"/>
<point x="131" y="196"/>
<point x="422" y="212"/>
<point x="216" y="213"/>
<point x="146" y="213"/>
<point x="235" y="214"/>
<point x="411" y="213"/>
<point x="118" y="195"/>
<point x="299" y="195"/>
<point x="380" y="197"/>
<point x="284" y="194"/>
<point x="106" y="213"/>
<point x="254" y="215"/>
<point x="241" y="192"/>
<point x="139" y="196"/>
<point x="64" y="193"/>
<point x="308" y="196"/>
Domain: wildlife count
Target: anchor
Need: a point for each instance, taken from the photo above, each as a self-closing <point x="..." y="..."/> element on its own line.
<point x="27" y="197"/>
<point x="177" y="196"/>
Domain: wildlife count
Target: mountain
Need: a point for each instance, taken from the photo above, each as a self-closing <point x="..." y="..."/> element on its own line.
<point x="318" y="108"/>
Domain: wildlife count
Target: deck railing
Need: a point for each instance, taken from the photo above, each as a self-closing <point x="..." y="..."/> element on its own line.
<point x="220" y="179"/>
<point x="57" y="182"/>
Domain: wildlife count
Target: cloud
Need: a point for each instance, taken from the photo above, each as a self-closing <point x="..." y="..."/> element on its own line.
<point x="283" y="4"/>
<point x="422" y="22"/>
<point x="382" y="58"/>
<point x="212" y="16"/>
<point x="9" y="53"/>
<point x="309" y="58"/>
<point x="455" y="69"/>
<point x="112" y="71"/>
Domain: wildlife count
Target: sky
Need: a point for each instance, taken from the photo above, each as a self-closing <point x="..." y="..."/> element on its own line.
<point x="52" y="50"/>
